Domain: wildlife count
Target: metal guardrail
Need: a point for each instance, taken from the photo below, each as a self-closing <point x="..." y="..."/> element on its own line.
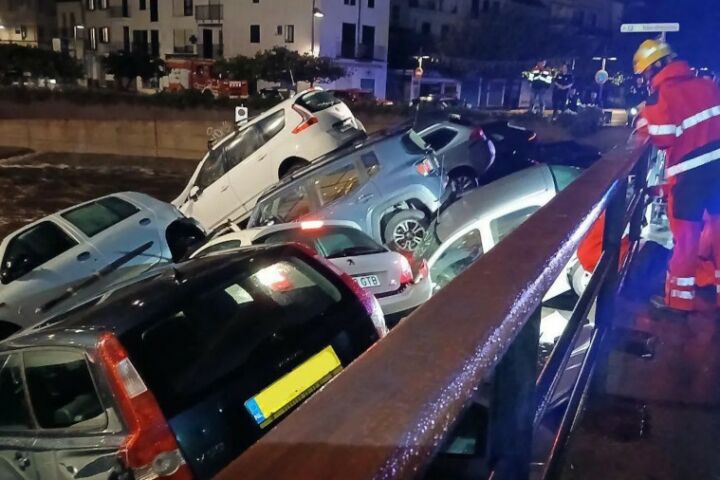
<point x="386" y="416"/>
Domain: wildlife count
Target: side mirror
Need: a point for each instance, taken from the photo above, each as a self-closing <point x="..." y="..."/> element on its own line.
<point x="194" y="193"/>
<point x="15" y="267"/>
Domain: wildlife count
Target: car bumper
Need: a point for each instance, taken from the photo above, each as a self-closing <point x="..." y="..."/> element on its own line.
<point x="406" y="301"/>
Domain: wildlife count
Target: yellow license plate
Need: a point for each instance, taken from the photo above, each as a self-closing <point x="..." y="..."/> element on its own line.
<point x="294" y="387"/>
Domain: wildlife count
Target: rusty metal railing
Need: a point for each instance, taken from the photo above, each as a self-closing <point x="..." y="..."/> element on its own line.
<point x="386" y="416"/>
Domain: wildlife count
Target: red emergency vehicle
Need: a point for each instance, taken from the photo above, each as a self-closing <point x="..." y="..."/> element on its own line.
<point x="188" y="73"/>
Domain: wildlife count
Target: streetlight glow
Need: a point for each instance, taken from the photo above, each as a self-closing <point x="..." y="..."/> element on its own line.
<point x="317" y="13"/>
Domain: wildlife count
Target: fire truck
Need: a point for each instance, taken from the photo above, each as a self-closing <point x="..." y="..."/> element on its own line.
<point x="190" y="73"/>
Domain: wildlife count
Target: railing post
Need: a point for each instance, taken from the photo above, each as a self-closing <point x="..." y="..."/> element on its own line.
<point x="512" y="407"/>
<point x="640" y="185"/>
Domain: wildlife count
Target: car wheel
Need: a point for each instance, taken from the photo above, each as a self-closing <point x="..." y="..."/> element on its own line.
<point x="463" y="181"/>
<point x="406" y="230"/>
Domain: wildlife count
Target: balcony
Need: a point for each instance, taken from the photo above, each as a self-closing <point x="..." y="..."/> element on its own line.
<point x="209" y="13"/>
<point x="117" y="11"/>
<point x="213" y="51"/>
<point x="362" y="52"/>
<point x="185" y="49"/>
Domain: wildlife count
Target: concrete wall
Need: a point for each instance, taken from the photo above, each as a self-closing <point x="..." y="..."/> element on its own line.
<point x="181" y="139"/>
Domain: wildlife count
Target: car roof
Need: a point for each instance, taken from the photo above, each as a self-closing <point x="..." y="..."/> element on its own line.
<point x="483" y="201"/>
<point x="130" y="305"/>
<point x="338" y="154"/>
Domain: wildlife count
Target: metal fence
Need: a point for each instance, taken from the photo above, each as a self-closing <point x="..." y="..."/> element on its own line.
<point x="389" y="413"/>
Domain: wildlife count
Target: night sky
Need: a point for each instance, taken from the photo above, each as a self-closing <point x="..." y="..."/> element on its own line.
<point x="699" y="37"/>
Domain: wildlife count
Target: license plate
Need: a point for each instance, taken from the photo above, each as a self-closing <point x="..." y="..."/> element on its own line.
<point x="367" y="281"/>
<point x="294" y="387"/>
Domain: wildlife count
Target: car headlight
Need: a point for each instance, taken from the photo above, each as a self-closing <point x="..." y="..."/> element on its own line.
<point x="633" y="111"/>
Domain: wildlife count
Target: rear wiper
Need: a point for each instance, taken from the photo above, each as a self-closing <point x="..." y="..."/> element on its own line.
<point x="86" y="282"/>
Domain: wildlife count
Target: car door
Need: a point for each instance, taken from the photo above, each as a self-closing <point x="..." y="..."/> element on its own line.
<point x="16" y="462"/>
<point x="120" y="230"/>
<point x="213" y="201"/>
<point x="344" y="190"/>
<point x="75" y="431"/>
<point x="461" y="251"/>
<point x="40" y="261"/>
<point x="253" y="159"/>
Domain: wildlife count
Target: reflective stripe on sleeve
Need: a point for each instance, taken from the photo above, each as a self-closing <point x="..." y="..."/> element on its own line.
<point x="683" y="281"/>
<point x="698" y="118"/>
<point x="682" y="294"/>
<point x="663" y="129"/>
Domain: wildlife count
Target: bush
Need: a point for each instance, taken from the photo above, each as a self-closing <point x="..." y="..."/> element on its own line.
<point x="586" y="122"/>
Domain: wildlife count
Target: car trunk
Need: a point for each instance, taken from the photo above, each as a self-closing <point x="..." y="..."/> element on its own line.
<point x="379" y="272"/>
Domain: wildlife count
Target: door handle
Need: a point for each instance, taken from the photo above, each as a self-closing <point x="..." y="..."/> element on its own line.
<point x="22" y="460"/>
<point x="83" y="256"/>
<point x="365" y="197"/>
<point x="144" y="221"/>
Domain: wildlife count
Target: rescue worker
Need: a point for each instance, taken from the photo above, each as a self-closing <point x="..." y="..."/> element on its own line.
<point x="561" y="87"/>
<point x="540" y="81"/>
<point x="682" y="117"/>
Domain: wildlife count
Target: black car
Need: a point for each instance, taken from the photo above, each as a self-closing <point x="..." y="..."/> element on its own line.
<point x="568" y="153"/>
<point x="175" y="375"/>
<point x="513" y="148"/>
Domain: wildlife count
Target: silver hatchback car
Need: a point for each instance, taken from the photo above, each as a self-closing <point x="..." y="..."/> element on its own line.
<point x="389" y="185"/>
<point x="118" y="235"/>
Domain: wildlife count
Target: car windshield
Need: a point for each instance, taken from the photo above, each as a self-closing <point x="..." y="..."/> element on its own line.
<point x="227" y="324"/>
<point x="328" y="241"/>
<point x="317" y="101"/>
<point x="285" y="206"/>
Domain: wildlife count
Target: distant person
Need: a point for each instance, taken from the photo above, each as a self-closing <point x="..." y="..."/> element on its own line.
<point x="593" y="100"/>
<point x="574" y="100"/>
<point x="637" y="93"/>
<point x="562" y="84"/>
<point x="540" y="82"/>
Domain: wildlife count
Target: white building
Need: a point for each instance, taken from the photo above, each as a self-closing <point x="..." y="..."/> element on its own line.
<point x="353" y="32"/>
<point x="27" y="22"/>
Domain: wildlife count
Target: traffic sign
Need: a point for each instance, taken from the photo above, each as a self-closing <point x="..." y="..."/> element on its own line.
<point x="601" y="77"/>
<point x="419" y="72"/>
<point x="649" y="27"/>
<point x="241" y="114"/>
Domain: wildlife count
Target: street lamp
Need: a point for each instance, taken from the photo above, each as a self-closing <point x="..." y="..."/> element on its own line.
<point x="316" y="13"/>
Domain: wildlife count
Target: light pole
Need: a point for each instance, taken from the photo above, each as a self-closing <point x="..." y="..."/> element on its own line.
<point x="603" y="68"/>
<point x="316" y="13"/>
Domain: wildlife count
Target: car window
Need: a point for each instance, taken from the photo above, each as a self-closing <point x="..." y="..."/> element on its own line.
<point x="287" y="206"/>
<point x="245" y="143"/>
<point x="36" y="245"/>
<point x="234" y="325"/>
<point x="100" y="215"/>
<point x="272" y="125"/>
<point x="440" y="138"/>
<point x="213" y="168"/>
<point x="503" y="226"/>
<point x="317" y="101"/>
<point x="62" y="392"/>
<point x="564" y="176"/>
<point x="371" y="163"/>
<point x="413" y="143"/>
<point x="220" y="247"/>
<point x="14" y="413"/>
<point x="330" y="241"/>
<point x="336" y="182"/>
<point x="456" y="258"/>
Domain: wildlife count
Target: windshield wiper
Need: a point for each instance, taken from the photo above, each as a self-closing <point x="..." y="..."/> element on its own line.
<point x="86" y="282"/>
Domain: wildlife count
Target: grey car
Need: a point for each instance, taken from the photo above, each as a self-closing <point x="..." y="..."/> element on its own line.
<point x="119" y="234"/>
<point x="390" y="185"/>
<point x="464" y="151"/>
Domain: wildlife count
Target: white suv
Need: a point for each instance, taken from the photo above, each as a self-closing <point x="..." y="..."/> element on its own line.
<point x="287" y="137"/>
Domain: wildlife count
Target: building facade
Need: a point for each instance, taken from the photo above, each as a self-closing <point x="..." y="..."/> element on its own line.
<point x="27" y="22"/>
<point x="353" y="32"/>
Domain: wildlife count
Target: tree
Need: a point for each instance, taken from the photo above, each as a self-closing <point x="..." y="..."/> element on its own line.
<point x="127" y="66"/>
<point x="16" y="60"/>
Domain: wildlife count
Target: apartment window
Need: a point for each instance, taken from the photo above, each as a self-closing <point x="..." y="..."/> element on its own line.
<point x="413" y="3"/>
<point x="92" y="36"/>
<point x="368" y="42"/>
<point x="142" y="5"/>
<point x="371" y="3"/>
<point x="155" y="43"/>
<point x="153" y="10"/>
<point x="126" y="38"/>
<point x="289" y="33"/>
<point x="125" y="9"/>
<point x="256" y="1"/>
<point x="104" y="35"/>
<point x="103" y="4"/>
<point x="140" y="41"/>
<point x="254" y="33"/>
<point x="188" y="8"/>
<point x="486" y="6"/>
<point x="91" y="5"/>
<point x="425" y="28"/>
<point x="181" y="41"/>
<point x="593" y="20"/>
<point x="444" y="32"/>
<point x="64" y="26"/>
<point x="349" y="2"/>
<point x="279" y="30"/>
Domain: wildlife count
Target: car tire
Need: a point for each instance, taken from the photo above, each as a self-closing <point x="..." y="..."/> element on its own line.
<point x="405" y="230"/>
<point x="462" y="181"/>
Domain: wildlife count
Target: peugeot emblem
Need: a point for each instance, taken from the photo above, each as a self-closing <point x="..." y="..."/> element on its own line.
<point x="351" y="261"/>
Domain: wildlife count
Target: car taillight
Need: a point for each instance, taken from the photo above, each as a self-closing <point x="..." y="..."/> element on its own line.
<point x="150" y="450"/>
<point x="422" y="271"/>
<point x="425" y="167"/>
<point x="477" y="134"/>
<point x="406" y="273"/>
<point x="308" y="120"/>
